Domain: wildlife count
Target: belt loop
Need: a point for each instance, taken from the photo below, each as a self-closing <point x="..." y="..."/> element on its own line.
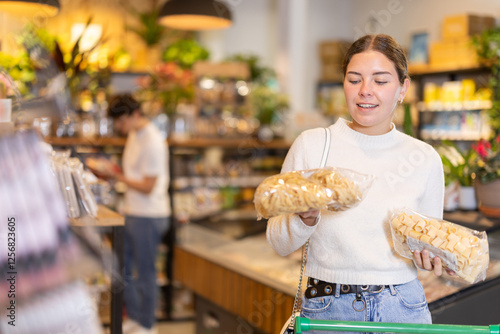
<point x="337" y="290"/>
<point x="393" y="290"/>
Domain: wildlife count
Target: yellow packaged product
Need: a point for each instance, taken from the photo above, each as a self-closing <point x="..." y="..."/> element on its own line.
<point x="326" y="188"/>
<point x="463" y="250"/>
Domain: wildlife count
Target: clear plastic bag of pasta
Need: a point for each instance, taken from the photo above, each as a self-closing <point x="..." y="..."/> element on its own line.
<point x="463" y="250"/>
<point x="327" y="188"/>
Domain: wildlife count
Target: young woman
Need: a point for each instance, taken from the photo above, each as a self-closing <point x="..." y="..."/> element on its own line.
<point x="354" y="272"/>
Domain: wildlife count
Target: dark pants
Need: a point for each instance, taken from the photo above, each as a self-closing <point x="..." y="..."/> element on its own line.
<point x="142" y="237"/>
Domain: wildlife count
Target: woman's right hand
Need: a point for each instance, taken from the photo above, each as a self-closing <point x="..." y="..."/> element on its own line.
<point x="309" y="217"/>
<point x="425" y="262"/>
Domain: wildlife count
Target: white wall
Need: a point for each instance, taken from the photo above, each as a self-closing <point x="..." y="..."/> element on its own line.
<point x="260" y="28"/>
<point x="253" y="32"/>
<point x="329" y="20"/>
<point x="256" y="22"/>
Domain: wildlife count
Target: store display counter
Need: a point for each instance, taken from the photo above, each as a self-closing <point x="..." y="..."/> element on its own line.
<point x="248" y="279"/>
<point x="107" y="218"/>
<point x="242" y="277"/>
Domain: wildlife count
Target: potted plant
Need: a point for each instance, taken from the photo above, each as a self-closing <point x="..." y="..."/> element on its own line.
<point x="165" y="87"/>
<point x="459" y="167"/>
<point x="154" y="35"/>
<point x="21" y="70"/>
<point x="185" y="52"/>
<point x="259" y="73"/>
<point x="488" y="166"/>
<point x="487" y="172"/>
<point x="267" y="104"/>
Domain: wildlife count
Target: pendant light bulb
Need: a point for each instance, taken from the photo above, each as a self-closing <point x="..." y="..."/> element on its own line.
<point x="195" y="15"/>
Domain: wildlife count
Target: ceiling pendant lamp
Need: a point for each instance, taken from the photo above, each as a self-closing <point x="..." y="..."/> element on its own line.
<point x="195" y="15"/>
<point x="30" y="7"/>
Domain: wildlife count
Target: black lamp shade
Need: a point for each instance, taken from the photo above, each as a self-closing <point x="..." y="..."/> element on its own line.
<point x="195" y="15"/>
<point x="30" y="7"/>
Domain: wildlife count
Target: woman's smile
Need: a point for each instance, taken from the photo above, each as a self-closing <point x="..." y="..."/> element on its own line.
<point x="367" y="106"/>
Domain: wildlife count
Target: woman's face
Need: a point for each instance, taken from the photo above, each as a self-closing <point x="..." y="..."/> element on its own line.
<point x="372" y="90"/>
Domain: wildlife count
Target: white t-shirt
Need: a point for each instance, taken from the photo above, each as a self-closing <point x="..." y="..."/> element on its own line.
<point x="146" y="155"/>
<point x="355" y="246"/>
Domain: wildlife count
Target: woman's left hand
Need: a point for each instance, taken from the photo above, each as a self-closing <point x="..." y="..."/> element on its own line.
<point x="424" y="261"/>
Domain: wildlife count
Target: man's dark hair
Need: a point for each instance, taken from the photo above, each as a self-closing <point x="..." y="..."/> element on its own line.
<point x="123" y="104"/>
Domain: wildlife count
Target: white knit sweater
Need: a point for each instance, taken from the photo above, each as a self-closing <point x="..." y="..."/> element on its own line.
<point x="355" y="246"/>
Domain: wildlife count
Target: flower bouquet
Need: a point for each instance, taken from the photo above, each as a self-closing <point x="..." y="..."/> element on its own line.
<point x="167" y="85"/>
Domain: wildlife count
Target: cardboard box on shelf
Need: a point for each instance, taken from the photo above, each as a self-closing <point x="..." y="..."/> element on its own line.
<point x="225" y="69"/>
<point x="458" y="53"/>
<point x="333" y="51"/>
<point x="465" y="25"/>
<point x="331" y="72"/>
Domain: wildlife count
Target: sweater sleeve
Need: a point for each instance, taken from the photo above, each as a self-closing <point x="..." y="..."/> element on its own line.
<point x="432" y="201"/>
<point x="287" y="233"/>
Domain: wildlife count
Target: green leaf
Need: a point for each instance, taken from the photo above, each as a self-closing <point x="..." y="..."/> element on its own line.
<point x="185" y="52"/>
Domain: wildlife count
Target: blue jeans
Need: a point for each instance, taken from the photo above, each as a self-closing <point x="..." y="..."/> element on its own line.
<point x="404" y="303"/>
<point x="141" y="240"/>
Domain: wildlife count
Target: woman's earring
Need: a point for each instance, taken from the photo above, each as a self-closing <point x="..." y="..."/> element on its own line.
<point x="401" y="101"/>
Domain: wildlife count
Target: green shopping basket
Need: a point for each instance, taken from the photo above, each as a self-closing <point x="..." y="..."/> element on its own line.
<point x="304" y="325"/>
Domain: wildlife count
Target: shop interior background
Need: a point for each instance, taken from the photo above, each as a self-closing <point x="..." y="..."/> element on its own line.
<point x="284" y="33"/>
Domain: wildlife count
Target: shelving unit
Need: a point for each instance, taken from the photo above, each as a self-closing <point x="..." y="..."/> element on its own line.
<point x="47" y="261"/>
<point x="426" y="69"/>
<point x="450" y="121"/>
<point x="243" y="143"/>
<point x="111" y="219"/>
<point x="457" y="125"/>
<point x="80" y="141"/>
<point x="105" y="218"/>
<point x="221" y="94"/>
<point x="331" y="99"/>
<point x="247" y="147"/>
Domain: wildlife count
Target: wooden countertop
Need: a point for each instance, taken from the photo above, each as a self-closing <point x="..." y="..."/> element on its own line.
<point x="251" y="257"/>
<point x="248" y="142"/>
<point x="255" y="259"/>
<point x="241" y="275"/>
<point x="105" y="218"/>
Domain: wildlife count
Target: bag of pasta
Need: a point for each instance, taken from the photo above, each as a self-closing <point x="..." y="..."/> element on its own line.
<point x="463" y="250"/>
<point x="327" y="188"/>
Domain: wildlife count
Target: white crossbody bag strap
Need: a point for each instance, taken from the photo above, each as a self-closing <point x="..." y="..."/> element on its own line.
<point x="326" y="149"/>
<point x="291" y="324"/>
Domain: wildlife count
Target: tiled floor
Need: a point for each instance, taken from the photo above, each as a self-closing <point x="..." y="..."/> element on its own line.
<point x="175" y="327"/>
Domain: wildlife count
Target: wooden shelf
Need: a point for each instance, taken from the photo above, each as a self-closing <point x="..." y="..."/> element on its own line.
<point x="105" y="218"/>
<point x="426" y="69"/>
<point x="74" y="141"/>
<point x="189" y="143"/>
<point x="229" y="143"/>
